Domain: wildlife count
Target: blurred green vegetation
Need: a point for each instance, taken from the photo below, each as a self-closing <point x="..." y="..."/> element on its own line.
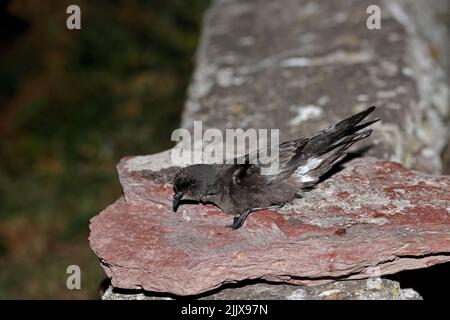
<point x="72" y="103"/>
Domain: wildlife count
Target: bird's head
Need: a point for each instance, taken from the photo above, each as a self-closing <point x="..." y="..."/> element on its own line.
<point x="195" y="182"/>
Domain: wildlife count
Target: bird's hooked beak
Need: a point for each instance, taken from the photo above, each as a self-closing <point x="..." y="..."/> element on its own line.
<point x="176" y="200"/>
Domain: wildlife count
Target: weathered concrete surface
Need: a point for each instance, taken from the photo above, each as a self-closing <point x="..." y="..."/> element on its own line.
<point x="372" y="218"/>
<point x="299" y="65"/>
<point x="429" y="20"/>
<point x="370" y="289"/>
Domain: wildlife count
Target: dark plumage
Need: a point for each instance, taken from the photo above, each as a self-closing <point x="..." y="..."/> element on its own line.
<point x="241" y="188"/>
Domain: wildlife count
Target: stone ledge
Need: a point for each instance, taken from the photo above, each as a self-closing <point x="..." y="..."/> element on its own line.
<point x="370" y="219"/>
<point x="300" y="65"/>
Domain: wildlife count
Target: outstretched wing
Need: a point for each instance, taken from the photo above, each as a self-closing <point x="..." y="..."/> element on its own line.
<point x="308" y="158"/>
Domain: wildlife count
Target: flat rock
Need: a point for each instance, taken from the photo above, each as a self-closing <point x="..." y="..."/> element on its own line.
<point x="372" y="218"/>
<point x="370" y="289"/>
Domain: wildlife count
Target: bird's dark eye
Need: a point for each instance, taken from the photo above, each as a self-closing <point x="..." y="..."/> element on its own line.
<point x="193" y="182"/>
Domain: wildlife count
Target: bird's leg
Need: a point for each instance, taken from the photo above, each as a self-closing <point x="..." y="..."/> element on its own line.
<point x="239" y="221"/>
<point x="276" y="206"/>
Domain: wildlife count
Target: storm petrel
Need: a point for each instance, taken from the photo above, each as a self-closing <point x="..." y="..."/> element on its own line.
<point x="241" y="188"/>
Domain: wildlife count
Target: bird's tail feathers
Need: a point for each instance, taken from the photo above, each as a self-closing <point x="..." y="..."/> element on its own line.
<point x="337" y="131"/>
<point x="346" y="142"/>
<point x="326" y="148"/>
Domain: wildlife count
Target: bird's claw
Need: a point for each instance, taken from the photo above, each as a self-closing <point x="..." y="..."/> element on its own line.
<point x="237" y="223"/>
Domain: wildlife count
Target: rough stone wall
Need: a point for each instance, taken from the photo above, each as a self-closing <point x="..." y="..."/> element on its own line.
<point x="431" y="21"/>
<point x="299" y="65"/>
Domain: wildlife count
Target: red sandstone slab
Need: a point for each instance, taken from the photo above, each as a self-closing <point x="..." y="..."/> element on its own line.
<point x="372" y="218"/>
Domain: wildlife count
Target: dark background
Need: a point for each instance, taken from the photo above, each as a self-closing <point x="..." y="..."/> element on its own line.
<point x="72" y="103"/>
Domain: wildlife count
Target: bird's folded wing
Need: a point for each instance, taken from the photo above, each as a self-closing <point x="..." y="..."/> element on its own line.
<point x="306" y="159"/>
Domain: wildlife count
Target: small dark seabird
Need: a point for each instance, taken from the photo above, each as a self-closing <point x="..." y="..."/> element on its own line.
<point x="240" y="189"/>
